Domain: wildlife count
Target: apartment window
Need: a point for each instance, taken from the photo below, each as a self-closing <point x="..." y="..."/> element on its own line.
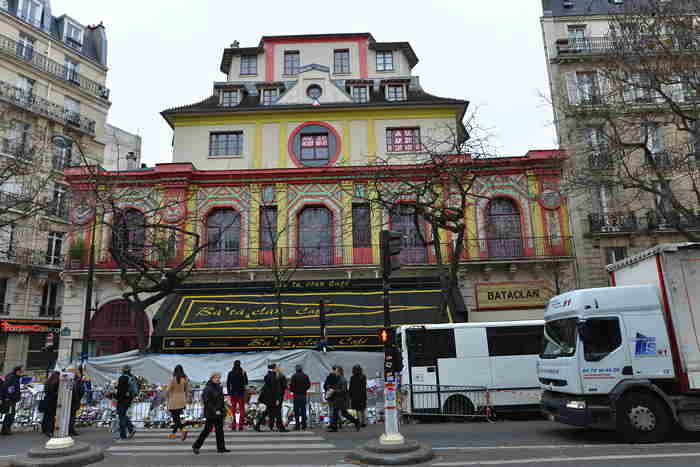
<point x="360" y="93"/>
<point x="61" y="157"/>
<point x="230" y="98"/>
<point x="268" y="227"/>
<point x="587" y="87"/>
<point x="576" y="33"/>
<point x="601" y="198"/>
<point x="395" y="92"/>
<point x="19" y="140"/>
<point x="57" y="206"/>
<point x="223" y="238"/>
<point x="4" y="306"/>
<point x="71" y="70"/>
<point x="26" y="89"/>
<point x="615" y="254"/>
<point x="403" y="140"/>
<point x="269" y="96"/>
<point x="71" y="110"/>
<point x="638" y="87"/>
<point x="49" y="299"/>
<point x="7" y="241"/>
<point x="598" y="155"/>
<point x="53" y="248"/>
<point x="25" y="46"/>
<point x="385" y="61"/>
<point x="74" y="35"/>
<point x="361" y="226"/>
<point x="654" y="140"/>
<point x="249" y="64"/>
<point x="662" y="199"/>
<point x="314" y="147"/>
<point x="30" y="11"/>
<point x="341" y="61"/>
<point x="291" y="63"/>
<point x="226" y="144"/>
<point x="38" y="356"/>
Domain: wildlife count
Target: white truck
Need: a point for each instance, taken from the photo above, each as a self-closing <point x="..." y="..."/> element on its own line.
<point x="627" y="357"/>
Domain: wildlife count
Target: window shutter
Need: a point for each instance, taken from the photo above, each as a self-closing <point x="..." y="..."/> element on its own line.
<point x="603" y="87"/>
<point x="572" y="88"/>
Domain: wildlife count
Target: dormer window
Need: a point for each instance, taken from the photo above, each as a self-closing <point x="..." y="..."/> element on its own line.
<point x="30" y="11"/>
<point x="249" y="64"/>
<point x="385" y="61"/>
<point x="292" y="62"/>
<point x="396" y="92"/>
<point x="269" y="95"/>
<point x="230" y="97"/>
<point x="74" y="35"/>
<point x="360" y="93"/>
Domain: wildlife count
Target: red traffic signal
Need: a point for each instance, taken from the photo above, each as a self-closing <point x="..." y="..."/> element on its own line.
<point x="390" y="245"/>
<point x="384" y="335"/>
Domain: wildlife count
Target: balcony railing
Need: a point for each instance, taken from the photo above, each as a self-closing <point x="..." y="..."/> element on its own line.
<point x="9" y="200"/>
<point x="661" y="221"/>
<point x="25" y="52"/>
<point x="661" y="160"/>
<point x="47" y="311"/>
<point x="39" y="105"/>
<point x="600" y="160"/>
<point x="612" y="222"/>
<point x="29" y="257"/>
<point x="17" y="149"/>
<point x="602" y="45"/>
<point x="475" y="250"/>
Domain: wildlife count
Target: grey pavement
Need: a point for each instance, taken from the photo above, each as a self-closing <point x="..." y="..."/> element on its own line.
<point x="526" y="442"/>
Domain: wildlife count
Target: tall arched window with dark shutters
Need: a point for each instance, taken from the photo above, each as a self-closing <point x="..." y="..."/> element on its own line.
<point x="503" y="229"/>
<point x="413" y="247"/>
<point x="223" y="238"/>
<point x="315" y="236"/>
<point x="114" y="328"/>
<point x="129" y="236"/>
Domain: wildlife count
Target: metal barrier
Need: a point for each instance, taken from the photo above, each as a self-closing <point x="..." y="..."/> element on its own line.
<point x="425" y="400"/>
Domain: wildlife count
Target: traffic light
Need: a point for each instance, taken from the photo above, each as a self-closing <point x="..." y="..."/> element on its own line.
<point x="385" y="335"/>
<point x="390" y="243"/>
<point x="396" y="360"/>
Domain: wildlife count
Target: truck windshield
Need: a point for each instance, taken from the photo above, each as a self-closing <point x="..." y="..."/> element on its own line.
<point x="559" y="338"/>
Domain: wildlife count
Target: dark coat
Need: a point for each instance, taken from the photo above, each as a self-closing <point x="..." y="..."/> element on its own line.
<point x="51" y="396"/>
<point x="123" y="395"/>
<point x="213" y="398"/>
<point x="270" y="393"/>
<point x="11" y="388"/>
<point x="300" y="384"/>
<point x="358" y="392"/>
<point x="282" y="381"/>
<point x="340" y="397"/>
<point x="330" y="381"/>
<point x="78" y="393"/>
<point x="236" y="383"/>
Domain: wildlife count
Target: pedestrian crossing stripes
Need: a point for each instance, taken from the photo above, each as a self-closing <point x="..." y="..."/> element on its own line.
<point x="156" y="442"/>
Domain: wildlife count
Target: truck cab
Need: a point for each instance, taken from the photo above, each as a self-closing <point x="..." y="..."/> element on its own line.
<point x="601" y="345"/>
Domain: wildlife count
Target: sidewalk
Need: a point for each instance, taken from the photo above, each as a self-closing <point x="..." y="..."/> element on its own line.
<point x="20" y="442"/>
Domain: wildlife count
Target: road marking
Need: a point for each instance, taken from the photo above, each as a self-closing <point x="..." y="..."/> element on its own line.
<point x="249" y="439"/>
<point x="547" y="446"/>
<point x="569" y="459"/>
<point x="278" y="446"/>
<point x="251" y="452"/>
<point x="231" y="432"/>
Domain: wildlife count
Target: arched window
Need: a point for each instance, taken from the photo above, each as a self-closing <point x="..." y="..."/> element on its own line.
<point x="315" y="236"/>
<point x="503" y="229"/>
<point x="129" y="236"/>
<point x="114" y="328"/>
<point x="413" y="247"/>
<point x="223" y="238"/>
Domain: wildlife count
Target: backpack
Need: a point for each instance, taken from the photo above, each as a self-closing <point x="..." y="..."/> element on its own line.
<point x="134" y="387"/>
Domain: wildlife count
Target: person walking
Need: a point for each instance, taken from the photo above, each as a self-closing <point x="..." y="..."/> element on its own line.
<point x="236" y="383"/>
<point x="50" y="403"/>
<point x="282" y="382"/>
<point x="339" y="402"/>
<point x="214" y="413"/>
<point x="358" y="394"/>
<point x="10" y="395"/>
<point x="127" y="390"/>
<point x="269" y="395"/>
<point x="299" y="386"/>
<point x="178" y="391"/>
<point x="76" y="397"/>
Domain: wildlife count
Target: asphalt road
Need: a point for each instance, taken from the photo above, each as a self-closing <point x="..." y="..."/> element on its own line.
<point x="525" y="442"/>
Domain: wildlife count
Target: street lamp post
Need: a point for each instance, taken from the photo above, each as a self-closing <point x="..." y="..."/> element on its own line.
<point x="66" y="142"/>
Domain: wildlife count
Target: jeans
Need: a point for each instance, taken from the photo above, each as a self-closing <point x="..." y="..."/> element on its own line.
<point x="177" y="423"/>
<point x="125" y="424"/>
<point x="300" y="411"/>
<point x="9" y="418"/>
<point x="48" y="422"/>
<point x="238" y="401"/>
<point x="273" y="413"/>
<point x="218" y="425"/>
<point x="337" y="412"/>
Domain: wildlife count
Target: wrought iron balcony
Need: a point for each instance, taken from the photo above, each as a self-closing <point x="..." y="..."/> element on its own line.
<point x="573" y="48"/>
<point x="600" y="160"/>
<point x="19" y="201"/>
<point x="612" y="222"/>
<point x="661" y="160"/>
<point x="657" y="220"/>
<point x="17" y="149"/>
<point x="25" y="52"/>
<point x="41" y="106"/>
<point x="29" y="257"/>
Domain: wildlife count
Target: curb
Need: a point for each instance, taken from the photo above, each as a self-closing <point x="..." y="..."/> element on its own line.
<point x="407" y="453"/>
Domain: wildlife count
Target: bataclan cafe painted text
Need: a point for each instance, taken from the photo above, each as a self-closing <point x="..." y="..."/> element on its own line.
<point x="512" y="295"/>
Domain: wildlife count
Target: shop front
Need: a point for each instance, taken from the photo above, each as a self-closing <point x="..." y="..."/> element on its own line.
<point x="235" y="317"/>
<point x="30" y="343"/>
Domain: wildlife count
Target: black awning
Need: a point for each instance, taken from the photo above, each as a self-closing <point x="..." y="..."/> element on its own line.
<point x="243" y="316"/>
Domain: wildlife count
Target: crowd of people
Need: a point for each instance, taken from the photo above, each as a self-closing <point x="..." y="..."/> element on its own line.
<point x="338" y="392"/>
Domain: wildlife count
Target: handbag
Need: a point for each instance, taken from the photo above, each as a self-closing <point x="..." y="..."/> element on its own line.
<point x="330" y="394"/>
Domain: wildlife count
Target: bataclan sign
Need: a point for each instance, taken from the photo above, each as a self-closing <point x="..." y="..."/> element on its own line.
<point x="512" y="295"/>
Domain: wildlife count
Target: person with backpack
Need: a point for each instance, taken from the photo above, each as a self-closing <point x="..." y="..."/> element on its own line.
<point x="236" y="383"/>
<point x="214" y="413"/>
<point x="127" y="390"/>
<point x="339" y="402"/>
<point x="358" y="394"/>
<point x="299" y="386"/>
<point x="10" y="395"/>
<point x="269" y="395"/>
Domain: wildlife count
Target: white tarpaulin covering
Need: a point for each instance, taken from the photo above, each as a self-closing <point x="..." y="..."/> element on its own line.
<point x="158" y="368"/>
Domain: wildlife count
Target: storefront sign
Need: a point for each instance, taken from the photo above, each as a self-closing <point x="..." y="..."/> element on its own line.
<point x="512" y="295"/>
<point x="27" y="326"/>
<point x="350" y="342"/>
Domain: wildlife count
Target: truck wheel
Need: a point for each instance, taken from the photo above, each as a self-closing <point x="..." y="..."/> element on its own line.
<point x="643" y="418"/>
<point x="457" y="407"/>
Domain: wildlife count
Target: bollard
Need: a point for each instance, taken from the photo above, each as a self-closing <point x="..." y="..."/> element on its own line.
<point x="61" y="438"/>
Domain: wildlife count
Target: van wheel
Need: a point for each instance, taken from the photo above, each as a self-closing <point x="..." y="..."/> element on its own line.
<point x="643" y="418"/>
<point x="457" y="407"/>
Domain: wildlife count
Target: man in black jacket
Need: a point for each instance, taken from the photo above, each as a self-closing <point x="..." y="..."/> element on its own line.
<point x="270" y="396"/>
<point x="124" y="398"/>
<point x="299" y="385"/>
<point x="10" y="395"/>
<point x="76" y="397"/>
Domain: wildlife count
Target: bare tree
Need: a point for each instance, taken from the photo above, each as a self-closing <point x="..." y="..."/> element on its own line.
<point x="632" y="119"/>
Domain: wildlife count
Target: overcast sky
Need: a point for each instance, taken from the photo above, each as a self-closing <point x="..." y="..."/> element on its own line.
<point x="166" y="53"/>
